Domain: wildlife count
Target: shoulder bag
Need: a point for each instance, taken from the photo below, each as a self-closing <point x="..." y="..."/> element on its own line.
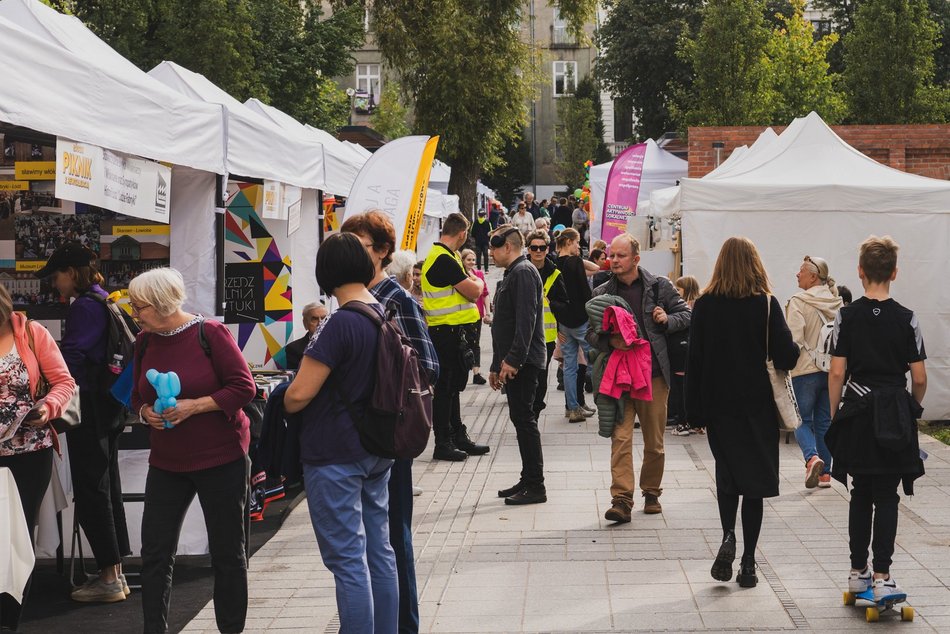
<point x="789" y="417"/>
<point x="71" y="416"/>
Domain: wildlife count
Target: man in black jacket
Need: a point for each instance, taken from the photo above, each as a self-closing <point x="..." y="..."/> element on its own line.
<point x="313" y="314"/>
<point x="519" y="357"/>
<point x="480" y="230"/>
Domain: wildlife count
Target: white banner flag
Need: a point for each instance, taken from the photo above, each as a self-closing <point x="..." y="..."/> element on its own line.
<point x="118" y="182"/>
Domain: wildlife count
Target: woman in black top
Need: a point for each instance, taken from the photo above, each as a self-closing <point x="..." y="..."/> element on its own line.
<point x="572" y="328"/>
<point x="728" y="392"/>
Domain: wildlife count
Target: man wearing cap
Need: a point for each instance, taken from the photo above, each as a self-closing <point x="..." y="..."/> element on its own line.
<point x="480" y="231"/>
<point x="806" y="313"/>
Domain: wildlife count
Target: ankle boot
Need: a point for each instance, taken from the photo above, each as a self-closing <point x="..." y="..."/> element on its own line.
<point x="722" y="567"/>
<point x="463" y="442"/>
<point x="747" y="577"/>
<point x="448" y="451"/>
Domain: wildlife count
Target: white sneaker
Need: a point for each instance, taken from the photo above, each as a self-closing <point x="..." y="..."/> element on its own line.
<point x="416" y="491"/>
<point x="859" y="582"/>
<point x="884" y="588"/>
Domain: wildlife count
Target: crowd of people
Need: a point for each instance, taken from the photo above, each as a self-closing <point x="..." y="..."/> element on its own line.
<point x="650" y="351"/>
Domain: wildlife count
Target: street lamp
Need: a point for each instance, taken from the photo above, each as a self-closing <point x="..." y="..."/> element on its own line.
<point x="349" y="93"/>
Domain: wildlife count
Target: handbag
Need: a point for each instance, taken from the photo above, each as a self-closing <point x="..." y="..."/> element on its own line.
<point x="789" y="417"/>
<point x="72" y="414"/>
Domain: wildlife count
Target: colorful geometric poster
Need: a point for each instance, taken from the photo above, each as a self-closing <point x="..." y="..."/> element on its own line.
<point x="257" y="280"/>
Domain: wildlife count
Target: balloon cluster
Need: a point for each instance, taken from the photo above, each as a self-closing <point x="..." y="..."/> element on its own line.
<point x="167" y="385"/>
<point x="583" y="194"/>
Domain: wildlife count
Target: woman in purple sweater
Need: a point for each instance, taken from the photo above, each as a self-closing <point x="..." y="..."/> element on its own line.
<point x="203" y="452"/>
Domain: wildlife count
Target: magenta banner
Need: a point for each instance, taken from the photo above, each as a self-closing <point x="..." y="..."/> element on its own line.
<point x="623" y="188"/>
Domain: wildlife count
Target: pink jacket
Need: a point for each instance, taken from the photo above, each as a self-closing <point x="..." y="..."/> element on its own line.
<point x="480" y="302"/>
<point x="49" y="361"/>
<point x="627" y="371"/>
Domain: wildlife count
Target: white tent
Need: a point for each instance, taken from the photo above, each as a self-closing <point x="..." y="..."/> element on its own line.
<point x="61" y="80"/>
<point x="440" y="175"/>
<point x="810" y="193"/>
<point x="660" y="169"/>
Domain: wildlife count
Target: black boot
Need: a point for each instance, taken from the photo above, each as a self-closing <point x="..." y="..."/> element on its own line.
<point x="448" y="451"/>
<point x="463" y="442"/>
<point x="746" y="576"/>
<point x="506" y="493"/>
<point x="722" y="567"/>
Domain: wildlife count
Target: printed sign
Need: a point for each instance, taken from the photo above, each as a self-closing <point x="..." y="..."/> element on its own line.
<point x="623" y="189"/>
<point x="14" y="186"/>
<point x="34" y="170"/>
<point x="243" y="293"/>
<point x="273" y="205"/>
<point x="118" y="182"/>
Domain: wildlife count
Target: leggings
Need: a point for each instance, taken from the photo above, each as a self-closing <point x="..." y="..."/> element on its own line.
<point x="874" y="501"/>
<point x="751" y="519"/>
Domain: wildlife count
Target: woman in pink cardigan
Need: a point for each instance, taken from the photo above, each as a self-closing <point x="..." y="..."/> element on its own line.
<point x="26" y="438"/>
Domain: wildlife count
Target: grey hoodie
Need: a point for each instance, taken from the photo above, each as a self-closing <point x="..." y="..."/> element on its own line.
<point x="803" y="314"/>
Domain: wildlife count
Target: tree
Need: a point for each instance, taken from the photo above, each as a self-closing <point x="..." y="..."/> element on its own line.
<point x="730" y="73"/>
<point x="587" y="89"/>
<point x="576" y="139"/>
<point x="798" y="71"/>
<point x="638" y="61"/>
<point x="513" y="170"/>
<point x="889" y="64"/>
<point x="391" y="117"/>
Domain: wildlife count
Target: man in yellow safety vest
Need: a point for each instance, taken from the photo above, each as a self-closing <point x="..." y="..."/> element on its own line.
<point x="448" y="300"/>
<point x="554" y="299"/>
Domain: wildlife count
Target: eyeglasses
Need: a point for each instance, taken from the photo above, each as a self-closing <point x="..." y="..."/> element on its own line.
<point x="138" y="309"/>
<point x="538" y="247"/>
<point x="498" y="240"/>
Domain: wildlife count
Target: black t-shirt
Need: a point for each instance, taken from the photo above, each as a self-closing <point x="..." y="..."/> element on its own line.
<point x="562" y="216"/>
<point x="880" y="339"/>
<point x="445" y="271"/>
<point x="578" y="290"/>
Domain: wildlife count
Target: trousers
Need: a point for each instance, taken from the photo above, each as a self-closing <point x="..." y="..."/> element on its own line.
<point x="400" y="538"/>
<point x="874" y="501"/>
<point x="520" y="392"/>
<point x="652" y="416"/>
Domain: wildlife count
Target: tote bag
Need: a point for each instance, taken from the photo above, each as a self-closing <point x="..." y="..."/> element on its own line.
<point x="789" y="417"/>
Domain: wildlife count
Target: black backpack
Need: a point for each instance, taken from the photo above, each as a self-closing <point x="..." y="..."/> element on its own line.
<point x="121" y="330"/>
<point x="398" y="420"/>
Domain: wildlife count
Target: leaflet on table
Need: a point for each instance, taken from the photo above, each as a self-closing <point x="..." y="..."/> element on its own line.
<point x="12" y="429"/>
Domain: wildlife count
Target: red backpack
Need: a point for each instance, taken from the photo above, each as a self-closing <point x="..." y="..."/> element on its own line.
<point x="398" y="420"/>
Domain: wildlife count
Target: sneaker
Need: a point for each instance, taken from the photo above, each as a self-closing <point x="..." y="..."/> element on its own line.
<point x="98" y="591"/>
<point x="651" y="504"/>
<point x="576" y="415"/>
<point x="884" y="588"/>
<point x="813" y="470"/>
<point x="590" y="410"/>
<point x="619" y="512"/>
<point x="125" y="585"/>
<point x="681" y="430"/>
<point x="824" y="481"/>
<point x="478" y="379"/>
<point x="859" y="582"/>
<point x="416" y="491"/>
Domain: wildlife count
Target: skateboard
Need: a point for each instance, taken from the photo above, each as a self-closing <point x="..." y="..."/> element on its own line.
<point x="873" y="609"/>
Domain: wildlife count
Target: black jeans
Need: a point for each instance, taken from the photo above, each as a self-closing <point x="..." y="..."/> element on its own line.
<point x="481" y="255"/>
<point x="676" y="402"/>
<point x="453" y="377"/>
<point x="475" y="343"/>
<point x="400" y="537"/>
<point x="222" y="492"/>
<point x="31" y="471"/>
<point x="520" y="392"/>
<point x="97" y="487"/>
<point x="874" y="501"/>
<point x="542" y="389"/>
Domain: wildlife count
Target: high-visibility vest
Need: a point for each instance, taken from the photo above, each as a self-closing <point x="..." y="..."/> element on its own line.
<point x="443" y="305"/>
<point x="550" y="324"/>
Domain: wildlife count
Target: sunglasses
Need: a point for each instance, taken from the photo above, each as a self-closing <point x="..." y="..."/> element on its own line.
<point x="498" y="240"/>
<point x="538" y="247"/>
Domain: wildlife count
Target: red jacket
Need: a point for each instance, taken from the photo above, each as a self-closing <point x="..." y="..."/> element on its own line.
<point x="627" y="371"/>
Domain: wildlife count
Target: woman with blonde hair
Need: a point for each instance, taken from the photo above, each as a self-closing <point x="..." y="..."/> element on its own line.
<point x="736" y="325"/>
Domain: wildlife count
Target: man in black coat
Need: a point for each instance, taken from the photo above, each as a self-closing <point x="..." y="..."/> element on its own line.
<point x="519" y="357"/>
<point x="657" y="310"/>
<point x="480" y="230"/>
<point x="313" y="314"/>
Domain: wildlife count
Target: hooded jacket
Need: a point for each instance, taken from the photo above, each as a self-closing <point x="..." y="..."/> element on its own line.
<point x="804" y="313"/>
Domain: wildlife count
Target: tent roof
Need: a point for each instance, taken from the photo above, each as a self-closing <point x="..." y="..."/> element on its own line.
<point x="257" y="147"/>
<point x="809" y="167"/>
<point x="60" y="79"/>
<point x="342" y="164"/>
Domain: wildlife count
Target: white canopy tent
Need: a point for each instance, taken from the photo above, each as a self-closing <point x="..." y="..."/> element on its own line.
<point x="660" y="169"/>
<point x="440" y="175"/>
<point x="810" y="193"/>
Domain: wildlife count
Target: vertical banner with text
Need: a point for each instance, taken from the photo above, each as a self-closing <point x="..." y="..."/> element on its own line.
<point x="623" y="188"/>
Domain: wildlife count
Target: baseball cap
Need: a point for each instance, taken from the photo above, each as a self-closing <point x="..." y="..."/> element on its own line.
<point x="70" y="254"/>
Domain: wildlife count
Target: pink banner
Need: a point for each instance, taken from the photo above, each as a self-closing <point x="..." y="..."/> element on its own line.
<point x="623" y="188"/>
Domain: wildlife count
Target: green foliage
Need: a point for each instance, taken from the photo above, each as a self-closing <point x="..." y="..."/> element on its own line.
<point x="889" y="64"/>
<point x="730" y="83"/>
<point x="587" y="89"/>
<point x="798" y="71"/>
<point x="576" y="139"/>
<point x="513" y="171"/>
<point x="391" y="117"/>
<point x="638" y="60"/>
<point x="577" y="13"/>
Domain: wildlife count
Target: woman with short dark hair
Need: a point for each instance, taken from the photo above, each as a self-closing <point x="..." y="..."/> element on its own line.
<point x="347" y="487"/>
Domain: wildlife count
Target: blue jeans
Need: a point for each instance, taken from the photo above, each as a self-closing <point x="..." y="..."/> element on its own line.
<point x="349" y="510"/>
<point x="811" y="392"/>
<point x="574" y="337"/>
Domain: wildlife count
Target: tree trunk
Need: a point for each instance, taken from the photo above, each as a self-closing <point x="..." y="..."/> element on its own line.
<point x="463" y="183"/>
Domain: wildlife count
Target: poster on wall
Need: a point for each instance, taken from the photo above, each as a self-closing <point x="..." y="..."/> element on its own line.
<point x="257" y="284"/>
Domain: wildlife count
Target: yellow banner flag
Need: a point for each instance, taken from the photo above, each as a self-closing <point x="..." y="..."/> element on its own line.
<point x="417" y="203"/>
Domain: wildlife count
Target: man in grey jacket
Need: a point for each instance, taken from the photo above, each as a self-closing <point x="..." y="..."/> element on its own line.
<point x="519" y="356"/>
<point x="657" y="309"/>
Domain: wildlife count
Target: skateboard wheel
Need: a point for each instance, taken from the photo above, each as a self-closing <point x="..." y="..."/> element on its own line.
<point x="872" y="615"/>
<point x="907" y="613"/>
<point x="849" y="598"/>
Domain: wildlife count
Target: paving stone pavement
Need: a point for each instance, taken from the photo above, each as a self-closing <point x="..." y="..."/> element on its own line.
<point x="560" y="567"/>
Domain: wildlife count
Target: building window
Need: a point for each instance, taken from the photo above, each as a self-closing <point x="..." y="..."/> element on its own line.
<point x="368" y="79"/>
<point x="560" y="36"/>
<point x="565" y="78"/>
<point x="821" y="27"/>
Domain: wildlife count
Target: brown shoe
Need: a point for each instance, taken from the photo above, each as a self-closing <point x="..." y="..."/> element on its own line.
<point x="619" y="512"/>
<point x="651" y="504"/>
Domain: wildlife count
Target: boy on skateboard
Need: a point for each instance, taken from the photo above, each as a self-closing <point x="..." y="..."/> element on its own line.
<point x="874" y="434"/>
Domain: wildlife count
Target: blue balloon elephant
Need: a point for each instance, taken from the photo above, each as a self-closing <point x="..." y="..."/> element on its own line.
<point x="167" y="385"/>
